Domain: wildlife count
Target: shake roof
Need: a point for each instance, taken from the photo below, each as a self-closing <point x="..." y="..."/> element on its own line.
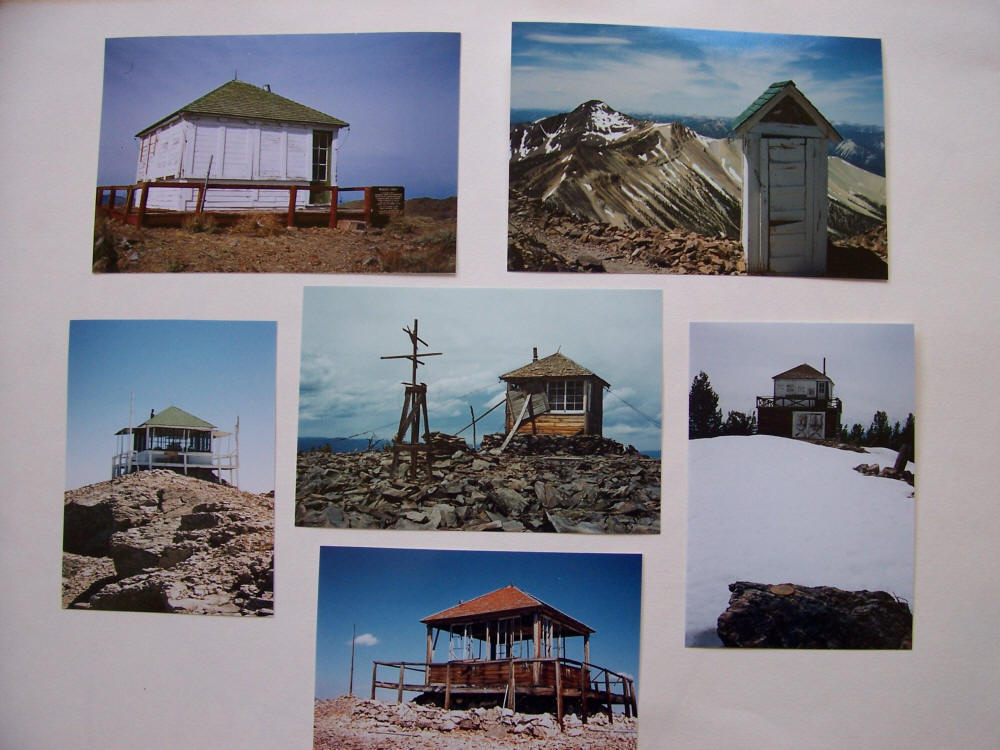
<point x="553" y="366"/>
<point x="241" y="99"/>
<point x="506" y="601"/>
<point x="802" y="372"/>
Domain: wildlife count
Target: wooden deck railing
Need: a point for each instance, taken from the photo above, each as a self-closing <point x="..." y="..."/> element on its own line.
<point x="559" y="678"/>
<point x="129" y="213"/>
<point x="806" y="402"/>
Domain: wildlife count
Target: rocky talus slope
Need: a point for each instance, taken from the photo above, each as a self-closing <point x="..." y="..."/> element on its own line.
<point x="156" y="541"/>
<point x="349" y="723"/>
<point x="576" y="485"/>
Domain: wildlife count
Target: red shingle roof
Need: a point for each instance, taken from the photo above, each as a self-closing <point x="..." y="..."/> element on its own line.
<point x="509" y="600"/>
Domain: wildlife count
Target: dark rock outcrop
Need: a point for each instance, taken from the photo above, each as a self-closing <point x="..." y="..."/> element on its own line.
<point x="791" y="616"/>
<point x="538" y="483"/>
<point x="157" y="541"/>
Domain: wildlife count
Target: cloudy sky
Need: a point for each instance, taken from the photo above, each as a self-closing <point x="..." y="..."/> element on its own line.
<point x="871" y="365"/>
<point x="215" y="370"/>
<point x="346" y="389"/>
<point x="378" y="595"/>
<point x="650" y="70"/>
<point x="399" y="92"/>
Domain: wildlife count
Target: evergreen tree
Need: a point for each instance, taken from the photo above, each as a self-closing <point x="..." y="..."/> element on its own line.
<point x="907" y="435"/>
<point x="738" y="423"/>
<point x="857" y="435"/>
<point x="879" y="431"/>
<point x="704" y="415"/>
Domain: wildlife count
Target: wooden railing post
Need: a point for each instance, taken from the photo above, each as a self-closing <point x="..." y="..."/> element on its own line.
<point x="100" y="196"/>
<point x="200" y="205"/>
<point x="129" y="198"/>
<point x="559" y="695"/>
<point x="399" y="688"/>
<point x="607" y="692"/>
<point x="447" y="687"/>
<point x="512" y="687"/>
<point x="374" y="670"/>
<point x="368" y="206"/>
<point x="334" y="190"/>
<point x="584" y="679"/>
<point x="292" y="193"/>
<point x="142" y="204"/>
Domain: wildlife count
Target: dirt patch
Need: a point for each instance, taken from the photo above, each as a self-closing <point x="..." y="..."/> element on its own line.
<point x="259" y="244"/>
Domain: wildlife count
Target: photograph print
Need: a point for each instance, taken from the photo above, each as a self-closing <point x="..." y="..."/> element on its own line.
<point x="320" y="153"/>
<point x="169" y="502"/>
<point x="480" y="410"/>
<point x="658" y="150"/>
<point x="436" y="648"/>
<point x="801" y="476"/>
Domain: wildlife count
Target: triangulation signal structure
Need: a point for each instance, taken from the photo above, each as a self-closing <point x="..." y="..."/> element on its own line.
<point x="414" y="408"/>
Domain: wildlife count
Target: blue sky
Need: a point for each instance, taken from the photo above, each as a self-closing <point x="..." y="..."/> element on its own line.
<point x="871" y="365"/>
<point x="399" y="92"/>
<point x="345" y="388"/>
<point x="216" y="370"/>
<point x="384" y="592"/>
<point x="643" y="69"/>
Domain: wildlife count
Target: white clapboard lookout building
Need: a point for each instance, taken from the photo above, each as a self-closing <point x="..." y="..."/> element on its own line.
<point x="240" y="133"/>
<point x="785" y="206"/>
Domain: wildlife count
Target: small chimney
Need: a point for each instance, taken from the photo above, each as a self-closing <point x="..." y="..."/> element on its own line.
<point x="534" y="354"/>
<point x="152" y="413"/>
<point x="824" y="365"/>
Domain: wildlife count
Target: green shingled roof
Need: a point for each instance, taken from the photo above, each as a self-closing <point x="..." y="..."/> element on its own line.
<point x="174" y="417"/>
<point x="769" y="93"/>
<point x="241" y="99"/>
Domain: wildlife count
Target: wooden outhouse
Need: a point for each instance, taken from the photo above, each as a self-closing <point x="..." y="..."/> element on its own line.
<point x="508" y="648"/>
<point x="575" y="396"/>
<point x="176" y="440"/>
<point x="234" y="134"/>
<point x="785" y="206"/>
<point x="803" y="405"/>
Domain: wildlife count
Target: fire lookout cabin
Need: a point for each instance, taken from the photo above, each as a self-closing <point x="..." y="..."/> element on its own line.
<point x="803" y="405"/>
<point x="574" y="395"/>
<point x="509" y="648"/>
<point x="178" y="441"/>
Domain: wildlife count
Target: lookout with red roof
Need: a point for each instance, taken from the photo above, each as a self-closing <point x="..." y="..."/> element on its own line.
<point x="508" y="648"/>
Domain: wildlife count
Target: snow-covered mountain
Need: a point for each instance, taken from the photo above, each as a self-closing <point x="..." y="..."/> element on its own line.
<point x="609" y="167"/>
<point x="787" y="511"/>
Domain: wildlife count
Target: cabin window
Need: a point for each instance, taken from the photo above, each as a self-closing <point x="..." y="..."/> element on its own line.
<point x="321" y="156"/>
<point x="565" y="395"/>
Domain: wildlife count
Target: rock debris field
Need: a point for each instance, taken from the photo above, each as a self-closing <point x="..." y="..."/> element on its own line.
<point x="350" y="723"/>
<point x="588" y="485"/>
<point x="156" y="541"/>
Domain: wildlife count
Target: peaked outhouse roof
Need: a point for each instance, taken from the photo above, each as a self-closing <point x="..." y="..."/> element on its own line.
<point x="769" y="100"/>
<point x="553" y="366"/>
<point x="241" y="99"/>
<point x="172" y="417"/>
<point x="505" y="602"/>
<point x="801" y="372"/>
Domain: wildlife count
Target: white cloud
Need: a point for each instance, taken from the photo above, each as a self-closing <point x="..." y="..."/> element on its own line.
<point x="365" y="639"/>
<point x="563" y="39"/>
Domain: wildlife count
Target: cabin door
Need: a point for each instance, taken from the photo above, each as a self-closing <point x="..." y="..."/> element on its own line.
<point x="789" y="239"/>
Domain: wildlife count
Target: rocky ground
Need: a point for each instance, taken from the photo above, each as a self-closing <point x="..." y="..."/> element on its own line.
<point x="543" y="239"/>
<point x="157" y="541"/>
<point x="350" y="723"/>
<point x="421" y="242"/>
<point x="566" y="485"/>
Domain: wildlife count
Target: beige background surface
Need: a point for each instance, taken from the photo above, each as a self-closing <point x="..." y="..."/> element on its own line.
<point x="72" y="679"/>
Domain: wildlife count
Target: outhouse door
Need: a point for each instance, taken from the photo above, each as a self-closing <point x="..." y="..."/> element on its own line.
<point x="790" y="199"/>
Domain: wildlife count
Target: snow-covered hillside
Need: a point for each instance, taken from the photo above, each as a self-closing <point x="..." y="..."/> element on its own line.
<point x="776" y="510"/>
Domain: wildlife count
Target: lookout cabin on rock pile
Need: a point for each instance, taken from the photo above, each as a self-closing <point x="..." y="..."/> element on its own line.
<point x="239" y="133"/>
<point x="803" y="405"/>
<point x="181" y="442"/>
<point x="574" y="395"/>
<point x="509" y="648"/>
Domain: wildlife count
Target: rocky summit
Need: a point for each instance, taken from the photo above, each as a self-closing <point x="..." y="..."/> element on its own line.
<point x="538" y="483"/>
<point x="157" y="541"/>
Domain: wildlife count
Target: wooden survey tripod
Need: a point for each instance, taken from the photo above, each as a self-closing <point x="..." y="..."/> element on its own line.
<point x="414" y="406"/>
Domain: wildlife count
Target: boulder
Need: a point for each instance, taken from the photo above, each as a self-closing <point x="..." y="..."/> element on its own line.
<point x="791" y="616"/>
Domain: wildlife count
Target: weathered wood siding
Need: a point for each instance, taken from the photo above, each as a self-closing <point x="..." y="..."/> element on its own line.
<point x="552" y="424"/>
<point x="497" y="673"/>
<point x="183" y="150"/>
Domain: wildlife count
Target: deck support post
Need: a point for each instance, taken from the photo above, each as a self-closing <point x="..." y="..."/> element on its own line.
<point x="200" y="204"/>
<point x="512" y="688"/>
<point x="607" y="693"/>
<point x="374" y="670"/>
<point x="129" y="199"/>
<point x="143" y="197"/>
<point x="334" y="190"/>
<point x="368" y="206"/>
<point x="399" y="688"/>
<point x="292" y="194"/>
<point x="447" y="686"/>
<point x="584" y="679"/>
<point x="559" y="695"/>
